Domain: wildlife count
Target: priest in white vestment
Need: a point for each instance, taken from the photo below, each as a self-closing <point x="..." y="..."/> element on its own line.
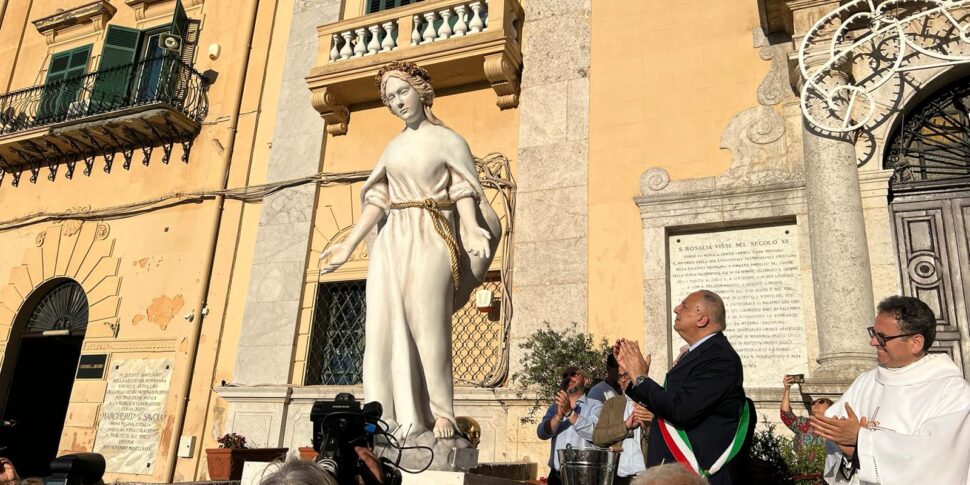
<point x="908" y="420"/>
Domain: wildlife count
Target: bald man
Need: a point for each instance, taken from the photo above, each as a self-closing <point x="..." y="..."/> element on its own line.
<point x="703" y="419"/>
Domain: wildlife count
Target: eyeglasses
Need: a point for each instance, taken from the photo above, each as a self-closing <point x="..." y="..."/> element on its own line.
<point x="882" y="339"/>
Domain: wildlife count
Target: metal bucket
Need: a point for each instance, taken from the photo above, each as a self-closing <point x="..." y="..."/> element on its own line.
<point x="589" y="466"/>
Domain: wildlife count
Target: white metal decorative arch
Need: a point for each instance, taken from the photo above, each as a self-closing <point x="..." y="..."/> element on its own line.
<point x="893" y="36"/>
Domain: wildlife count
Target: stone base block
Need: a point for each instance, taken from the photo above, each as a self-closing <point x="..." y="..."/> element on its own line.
<point x="453" y="478"/>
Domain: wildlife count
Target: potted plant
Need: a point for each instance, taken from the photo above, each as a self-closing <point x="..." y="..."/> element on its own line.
<point x="226" y="462"/>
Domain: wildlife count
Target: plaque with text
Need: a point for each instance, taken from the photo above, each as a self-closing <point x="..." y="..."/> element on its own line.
<point x="133" y="414"/>
<point x="757" y="273"/>
<point x="91" y="366"/>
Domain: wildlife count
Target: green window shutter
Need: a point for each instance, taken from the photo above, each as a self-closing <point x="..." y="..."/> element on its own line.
<point x="180" y="21"/>
<point x="115" y="70"/>
<point x="59" y="91"/>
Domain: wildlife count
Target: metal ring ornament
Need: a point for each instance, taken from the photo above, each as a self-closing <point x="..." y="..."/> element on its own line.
<point x="880" y="21"/>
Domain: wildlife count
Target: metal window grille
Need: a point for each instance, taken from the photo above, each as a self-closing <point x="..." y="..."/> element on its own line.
<point x="337" y="337"/>
<point x="478" y="339"/>
<point x="934" y="142"/>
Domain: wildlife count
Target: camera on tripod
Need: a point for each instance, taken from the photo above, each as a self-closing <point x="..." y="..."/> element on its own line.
<point x="341" y="425"/>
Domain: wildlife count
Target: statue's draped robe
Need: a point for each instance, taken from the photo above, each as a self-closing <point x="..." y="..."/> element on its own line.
<point x="923" y="432"/>
<point x="410" y="294"/>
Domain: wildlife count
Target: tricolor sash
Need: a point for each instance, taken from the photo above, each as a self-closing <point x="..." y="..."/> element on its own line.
<point x="680" y="447"/>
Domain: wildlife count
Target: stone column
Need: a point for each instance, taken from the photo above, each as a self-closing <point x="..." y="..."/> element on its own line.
<point x="841" y="274"/>
<point x="266" y="341"/>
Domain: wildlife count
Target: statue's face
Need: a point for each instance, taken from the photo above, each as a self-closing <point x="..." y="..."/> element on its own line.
<point x="403" y="100"/>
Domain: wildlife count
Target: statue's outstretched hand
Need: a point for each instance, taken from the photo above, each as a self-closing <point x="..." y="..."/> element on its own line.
<point x="477" y="242"/>
<point x="338" y="253"/>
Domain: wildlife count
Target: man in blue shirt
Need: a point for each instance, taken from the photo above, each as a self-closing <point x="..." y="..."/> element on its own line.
<point x="570" y="420"/>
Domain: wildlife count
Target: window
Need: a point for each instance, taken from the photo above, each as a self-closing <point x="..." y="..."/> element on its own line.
<point x="135" y="68"/>
<point x="379" y="5"/>
<point x="337" y="337"/>
<point x="63" y="82"/>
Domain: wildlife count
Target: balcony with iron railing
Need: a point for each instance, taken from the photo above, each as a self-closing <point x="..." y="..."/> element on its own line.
<point x="459" y="42"/>
<point x="133" y="107"/>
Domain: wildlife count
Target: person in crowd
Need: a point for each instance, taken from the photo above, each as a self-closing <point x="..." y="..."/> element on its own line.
<point x="8" y="474"/>
<point x="570" y="420"/>
<point x="703" y="419"/>
<point x="799" y="424"/>
<point x="907" y="420"/>
<point x="609" y="387"/>
<point x="669" y="474"/>
<point x="623" y="424"/>
<point x="298" y="472"/>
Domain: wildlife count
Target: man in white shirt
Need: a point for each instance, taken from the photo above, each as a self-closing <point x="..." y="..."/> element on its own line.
<point x="570" y="420"/>
<point x="623" y="425"/>
<point x="908" y="420"/>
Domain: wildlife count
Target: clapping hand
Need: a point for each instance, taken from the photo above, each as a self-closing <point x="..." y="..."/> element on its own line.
<point x="627" y="354"/>
<point x="640" y="417"/>
<point x="844" y="432"/>
<point x="563" y="405"/>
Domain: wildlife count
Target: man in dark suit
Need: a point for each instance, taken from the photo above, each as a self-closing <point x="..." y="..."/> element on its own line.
<point x="702" y="396"/>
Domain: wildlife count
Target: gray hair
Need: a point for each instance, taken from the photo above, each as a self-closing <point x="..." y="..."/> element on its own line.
<point x="912" y="315"/>
<point x="715" y="307"/>
<point x="298" y="472"/>
<point x="669" y="474"/>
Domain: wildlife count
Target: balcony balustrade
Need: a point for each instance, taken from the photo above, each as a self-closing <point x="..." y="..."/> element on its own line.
<point x="153" y="102"/>
<point x="459" y="42"/>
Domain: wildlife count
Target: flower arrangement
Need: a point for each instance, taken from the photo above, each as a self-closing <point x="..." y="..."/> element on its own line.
<point x="232" y="441"/>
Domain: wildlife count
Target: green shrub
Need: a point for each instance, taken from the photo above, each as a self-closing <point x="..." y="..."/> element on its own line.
<point x="547" y="352"/>
<point x="775" y="461"/>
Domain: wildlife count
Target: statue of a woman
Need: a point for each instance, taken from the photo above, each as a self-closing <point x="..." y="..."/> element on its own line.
<point x="436" y="237"/>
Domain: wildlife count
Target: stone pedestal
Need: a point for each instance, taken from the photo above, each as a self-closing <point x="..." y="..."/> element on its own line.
<point x="840" y="255"/>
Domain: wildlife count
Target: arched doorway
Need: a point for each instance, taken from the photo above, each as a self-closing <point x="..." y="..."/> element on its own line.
<point x="44" y="358"/>
<point x="930" y="203"/>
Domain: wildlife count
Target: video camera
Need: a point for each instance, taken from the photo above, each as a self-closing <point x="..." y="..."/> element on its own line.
<point x="76" y="469"/>
<point x="338" y="427"/>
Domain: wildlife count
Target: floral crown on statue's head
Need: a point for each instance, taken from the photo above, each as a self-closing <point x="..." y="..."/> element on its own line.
<point x="406" y="67"/>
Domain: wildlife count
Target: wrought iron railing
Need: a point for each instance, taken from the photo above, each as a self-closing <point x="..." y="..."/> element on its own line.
<point x="159" y="80"/>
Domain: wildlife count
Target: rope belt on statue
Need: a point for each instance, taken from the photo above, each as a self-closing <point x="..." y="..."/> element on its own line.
<point x="441" y="226"/>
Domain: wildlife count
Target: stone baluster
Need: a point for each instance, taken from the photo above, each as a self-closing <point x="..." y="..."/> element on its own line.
<point x="346" y="51"/>
<point x="360" y="43"/>
<point x="461" y="25"/>
<point x="375" y="36"/>
<point x="416" y="30"/>
<point x="476" y="25"/>
<point x="444" y="31"/>
<point x="389" y="42"/>
<point x="429" y="32"/>
<point x="334" y="51"/>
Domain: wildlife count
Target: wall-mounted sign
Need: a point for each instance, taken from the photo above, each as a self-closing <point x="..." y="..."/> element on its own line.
<point x="91" y="366"/>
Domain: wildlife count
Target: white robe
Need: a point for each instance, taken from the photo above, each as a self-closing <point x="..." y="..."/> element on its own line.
<point x="922" y="413"/>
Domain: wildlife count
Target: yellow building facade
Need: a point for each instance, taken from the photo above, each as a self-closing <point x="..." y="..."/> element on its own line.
<point x="172" y="171"/>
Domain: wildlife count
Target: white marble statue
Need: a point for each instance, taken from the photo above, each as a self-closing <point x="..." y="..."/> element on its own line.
<point x="421" y="268"/>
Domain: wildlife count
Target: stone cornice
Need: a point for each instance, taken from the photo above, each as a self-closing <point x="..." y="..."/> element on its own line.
<point x="96" y="13"/>
<point x="140" y="6"/>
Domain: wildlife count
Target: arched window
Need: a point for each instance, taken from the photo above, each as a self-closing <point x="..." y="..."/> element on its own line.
<point x="64" y="307"/>
<point x="933" y="145"/>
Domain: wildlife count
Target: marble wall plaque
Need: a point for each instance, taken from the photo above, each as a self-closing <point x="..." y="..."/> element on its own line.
<point x="757" y="273"/>
<point x="133" y="414"/>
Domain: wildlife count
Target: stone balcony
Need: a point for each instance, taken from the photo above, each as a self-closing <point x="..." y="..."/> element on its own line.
<point x="458" y="42"/>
